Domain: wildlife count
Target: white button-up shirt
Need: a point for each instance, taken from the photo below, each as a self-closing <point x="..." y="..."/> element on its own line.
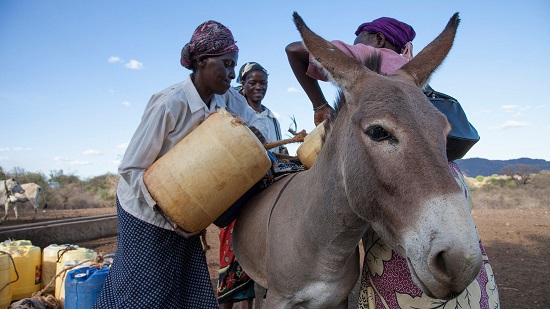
<point x="169" y="116"/>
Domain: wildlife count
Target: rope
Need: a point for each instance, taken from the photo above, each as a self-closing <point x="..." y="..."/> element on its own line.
<point x="205" y="245"/>
<point x="63" y="251"/>
<point x="98" y="262"/>
<point x="50" y="301"/>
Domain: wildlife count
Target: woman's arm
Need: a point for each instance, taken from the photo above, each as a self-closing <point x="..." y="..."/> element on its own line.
<point x="298" y="58"/>
<point x="144" y="149"/>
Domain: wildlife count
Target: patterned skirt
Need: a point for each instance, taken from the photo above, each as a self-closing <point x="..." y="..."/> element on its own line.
<point x="156" y="268"/>
<point x="234" y="284"/>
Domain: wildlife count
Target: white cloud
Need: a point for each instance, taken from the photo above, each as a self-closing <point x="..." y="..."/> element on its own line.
<point x="134" y="65"/>
<point x="15" y="149"/>
<point x="113" y="59"/>
<point x="509" y="107"/>
<point x="5" y="158"/>
<point x="482" y="112"/>
<point x="92" y="152"/>
<point x="63" y="160"/>
<point x="126" y="103"/>
<point x="77" y="162"/>
<point x="123" y="146"/>
<point x="292" y="89"/>
<point x="513" y="108"/>
<point x="510" y="124"/>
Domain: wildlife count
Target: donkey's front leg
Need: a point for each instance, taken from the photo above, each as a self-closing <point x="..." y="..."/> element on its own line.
<point x="259" y="292"/>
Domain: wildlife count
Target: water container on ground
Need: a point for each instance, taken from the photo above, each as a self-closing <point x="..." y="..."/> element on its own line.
<point x="28" y="261"/>
<point x="49" y="264"/>
<point x="68" y="259"/>
<point x="6" y="268"/>
<point x="83" y="286"/>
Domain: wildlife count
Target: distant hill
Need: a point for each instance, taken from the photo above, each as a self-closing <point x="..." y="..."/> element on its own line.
<point x="477" y="166"/>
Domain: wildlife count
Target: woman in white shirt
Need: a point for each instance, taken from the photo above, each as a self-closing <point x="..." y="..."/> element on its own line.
<point x="157" y="266"/>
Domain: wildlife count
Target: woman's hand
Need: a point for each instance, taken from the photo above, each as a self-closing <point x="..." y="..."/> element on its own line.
<point x="322" y="114"/>
<point x="183" y="233"/>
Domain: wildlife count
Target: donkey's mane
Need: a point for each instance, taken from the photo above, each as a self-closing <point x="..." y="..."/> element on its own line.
<point x="373" y="63"/>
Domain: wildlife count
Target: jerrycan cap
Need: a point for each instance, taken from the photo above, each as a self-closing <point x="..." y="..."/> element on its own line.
<point x="81" y="276"/>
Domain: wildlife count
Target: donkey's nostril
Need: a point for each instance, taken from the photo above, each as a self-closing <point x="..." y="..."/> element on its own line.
<point x="440" y="262"/>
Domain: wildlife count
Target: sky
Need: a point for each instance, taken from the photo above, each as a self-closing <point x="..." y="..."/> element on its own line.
<point x="75" y="75"/>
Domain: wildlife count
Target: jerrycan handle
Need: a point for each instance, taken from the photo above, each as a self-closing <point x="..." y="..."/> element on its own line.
<point x="14" y="268"/>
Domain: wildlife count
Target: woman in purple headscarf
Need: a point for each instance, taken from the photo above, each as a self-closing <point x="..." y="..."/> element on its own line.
<point x="387" y="36"/>
<point x="385" y="280"/>
<point x="157" y="264"/>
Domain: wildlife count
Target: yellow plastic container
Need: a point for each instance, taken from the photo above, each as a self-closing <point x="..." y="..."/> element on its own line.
<point x="49" y="265"/>
<point x="6" y="269"/>
<point x="79" y="254"/>
<point x="206" y="172"/>
<point x="28" y="261"/>
<point x="310" y="148"/>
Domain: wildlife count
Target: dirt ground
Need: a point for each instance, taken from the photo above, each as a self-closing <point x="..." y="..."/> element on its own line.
<point x="517" y="242"/>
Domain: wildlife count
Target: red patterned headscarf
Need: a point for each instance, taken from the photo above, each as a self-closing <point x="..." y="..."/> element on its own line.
<point x="209" y="39"/>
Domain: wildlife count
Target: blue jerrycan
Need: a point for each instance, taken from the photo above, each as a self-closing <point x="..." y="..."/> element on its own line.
<point x="83" y="286"/>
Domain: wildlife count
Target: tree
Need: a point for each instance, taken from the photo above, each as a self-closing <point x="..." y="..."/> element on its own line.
<point x="521" y="174"/>
<point x="60" y="177"/>
<point x="17" y="172"/>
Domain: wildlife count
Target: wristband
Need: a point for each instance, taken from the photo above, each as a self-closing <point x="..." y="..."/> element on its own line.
<point x="319" y="107"/>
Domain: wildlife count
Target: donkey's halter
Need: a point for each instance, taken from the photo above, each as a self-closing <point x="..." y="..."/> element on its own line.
<point x="8" y="192"/>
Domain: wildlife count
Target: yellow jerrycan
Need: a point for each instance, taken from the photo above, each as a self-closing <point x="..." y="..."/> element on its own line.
<point x="310" y="148"/>
<point x="27" y="260"/>
<point x="207" y="171"/>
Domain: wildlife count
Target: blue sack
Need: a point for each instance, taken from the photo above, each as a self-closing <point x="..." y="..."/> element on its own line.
<point x="463" y="135"/>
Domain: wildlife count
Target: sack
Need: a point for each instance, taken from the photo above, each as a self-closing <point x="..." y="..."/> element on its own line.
<point x="463" y="135"/>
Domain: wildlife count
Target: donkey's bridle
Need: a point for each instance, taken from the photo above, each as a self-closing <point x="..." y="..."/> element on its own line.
<point x="6" y="187"/>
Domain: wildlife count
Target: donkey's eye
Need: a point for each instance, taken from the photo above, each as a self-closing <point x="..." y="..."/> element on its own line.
<point x="377" y="133"/>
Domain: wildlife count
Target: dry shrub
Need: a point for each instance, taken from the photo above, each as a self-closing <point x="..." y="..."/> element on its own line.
<point x="508" y="196"/>
<point x="73" y="196"/>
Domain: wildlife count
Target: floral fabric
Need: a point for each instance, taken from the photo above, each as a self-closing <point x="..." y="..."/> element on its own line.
<point x="387" y="283"/>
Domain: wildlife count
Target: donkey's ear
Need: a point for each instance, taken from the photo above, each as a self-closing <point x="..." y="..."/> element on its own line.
<point x="342" y="68"/>
<point x="421" y="67"/>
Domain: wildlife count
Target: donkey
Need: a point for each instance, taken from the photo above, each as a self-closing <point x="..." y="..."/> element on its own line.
<point x="31" y="193"/>
<point x="382" y="164"/>
<point x="8" y="188"/>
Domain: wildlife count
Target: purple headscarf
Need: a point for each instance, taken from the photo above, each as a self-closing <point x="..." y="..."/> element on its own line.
<point x="398" y="33"/>
<point x="209" y="39"/>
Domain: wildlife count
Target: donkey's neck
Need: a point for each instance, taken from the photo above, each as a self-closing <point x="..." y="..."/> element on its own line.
<point x="326" y="206"/>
